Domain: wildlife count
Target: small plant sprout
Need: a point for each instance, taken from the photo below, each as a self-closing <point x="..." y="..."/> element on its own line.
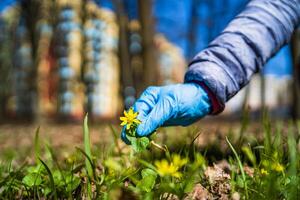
<point x="139" y="144"/>
<point x="130" y="121"/>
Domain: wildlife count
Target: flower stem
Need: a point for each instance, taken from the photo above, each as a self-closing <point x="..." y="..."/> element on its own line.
<point x="158" y="146"/>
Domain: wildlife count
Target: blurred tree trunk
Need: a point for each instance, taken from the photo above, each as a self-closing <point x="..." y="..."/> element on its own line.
<point x="123" y="50"/>
<point x="126" y="69"/>
<point x="5" y="67"/>
<point x="31" y="12"/>
<point x="150" y="74"/>
<point x="296" y="74"/>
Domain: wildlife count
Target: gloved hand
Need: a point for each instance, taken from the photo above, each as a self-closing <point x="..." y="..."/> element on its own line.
<point x="180" y="104"/>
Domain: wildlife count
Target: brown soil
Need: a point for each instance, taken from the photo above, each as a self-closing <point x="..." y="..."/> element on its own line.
<point x="20" y="136"/>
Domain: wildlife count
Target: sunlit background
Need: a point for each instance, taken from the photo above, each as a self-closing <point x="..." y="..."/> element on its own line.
<point x="60" y="59"/>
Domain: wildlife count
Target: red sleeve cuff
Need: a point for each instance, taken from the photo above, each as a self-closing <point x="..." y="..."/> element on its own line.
<point x="217" y="106"/>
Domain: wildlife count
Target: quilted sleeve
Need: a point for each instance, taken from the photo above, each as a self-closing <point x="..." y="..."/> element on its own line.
<point x="244" y="47"/>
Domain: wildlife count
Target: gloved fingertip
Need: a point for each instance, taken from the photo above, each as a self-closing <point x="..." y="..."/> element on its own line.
<point x="144" y="129"/>
<point x="141" y="108"/>
<point x="135" y="107"/>
<point x="141" y="130"/>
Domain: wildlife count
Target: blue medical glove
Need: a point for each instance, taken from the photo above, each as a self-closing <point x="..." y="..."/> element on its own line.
<point x="180" y="104"/>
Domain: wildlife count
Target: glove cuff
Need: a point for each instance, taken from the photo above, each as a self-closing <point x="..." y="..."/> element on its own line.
<point x="217" y="106"/>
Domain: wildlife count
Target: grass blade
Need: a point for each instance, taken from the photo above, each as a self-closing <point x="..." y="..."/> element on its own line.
<point x="37" y="144"/>
<point x="90" y="161"/>
<point x="116" y="137"/>
<point x="240" y="166"/>
<point x="87" y="147"/>
<point x="50" y="177"/>
<point x="293" y="164"/>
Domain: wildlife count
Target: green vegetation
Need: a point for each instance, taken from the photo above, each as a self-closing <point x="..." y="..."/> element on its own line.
<point x="130" y="123"/>
<point x="267" y="170"/>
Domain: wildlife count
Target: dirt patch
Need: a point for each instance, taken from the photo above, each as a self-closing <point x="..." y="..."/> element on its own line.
<point x="19" y="136"/>
<point x="216" y="184"/>
<point x="199" y="193"/>
<point x="219" y="182"/>
<point x="22" y="136"/>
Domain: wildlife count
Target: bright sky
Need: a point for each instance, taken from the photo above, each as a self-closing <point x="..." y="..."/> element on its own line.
<point x="5" y="3"/>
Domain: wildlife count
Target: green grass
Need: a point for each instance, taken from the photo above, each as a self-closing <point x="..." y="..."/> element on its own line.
<point x="118" y="172"/>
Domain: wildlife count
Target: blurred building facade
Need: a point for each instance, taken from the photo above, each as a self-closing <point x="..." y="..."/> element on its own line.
<point x="76" y="67"/>
<point x="74" y="60"/>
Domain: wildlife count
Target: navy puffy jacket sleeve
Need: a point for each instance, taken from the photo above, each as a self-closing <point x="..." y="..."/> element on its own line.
<point x="243" y="48"/>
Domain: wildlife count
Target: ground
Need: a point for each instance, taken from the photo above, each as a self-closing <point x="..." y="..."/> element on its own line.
<point x="20" y="136"/>
<point x="219" y="178"/>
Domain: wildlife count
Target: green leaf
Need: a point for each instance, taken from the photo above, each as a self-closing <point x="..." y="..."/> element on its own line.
<point x="37" y="144"/>
<point x="33" y="179"/>
<point x="139" y="144"/>
<point x="72" y="182"/>
<point x="146" y="164"/>
<point x="148" y="180"/>
<point x="52" y="184"/>
<point x="58" y="179"/>
<point x="88" y="153"/>
<point x="87" y="146"/>
<point x="189" y="185"/>
<point x="47" y="191"/>
<point x="89" y="159"/>
<point x="240" y="166"/>
<point x="35" y="169"/>
<point x="148" y="172"/>
<point x="113" y="165"/>
<point x="250" y="155"/>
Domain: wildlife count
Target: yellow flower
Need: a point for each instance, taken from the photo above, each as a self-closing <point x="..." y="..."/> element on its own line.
<point x="178" y="161"/>
<point x="129" y="119"/>
<point x="164" y="168"/>
<point x="264" y="172"/>
<point x="113" y="166"/>
<point x="277" y="167"/>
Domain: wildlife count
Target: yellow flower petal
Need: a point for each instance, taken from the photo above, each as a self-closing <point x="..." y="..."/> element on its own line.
<point x="278" y="167"/>
<point x="123" y="123"/>
<point x="129" y="119"/>
<point x="130" y="112"/>
<point x="164" y="168"/>
<point x="178" y="161"/>
<point x="136" y="121"/>
<point x="123" y="118"/>
<point x="264" y="172"/>
<point x="135" y="115"/>
<point x="177" y="175"/>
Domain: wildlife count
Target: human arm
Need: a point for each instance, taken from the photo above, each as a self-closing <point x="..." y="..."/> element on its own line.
<point x="224" y="67"/>
<point x="244" y="47"/>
